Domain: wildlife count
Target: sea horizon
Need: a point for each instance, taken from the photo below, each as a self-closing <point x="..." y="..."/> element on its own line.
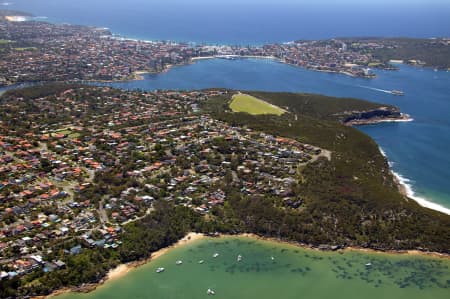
<point x="244" y="23"/>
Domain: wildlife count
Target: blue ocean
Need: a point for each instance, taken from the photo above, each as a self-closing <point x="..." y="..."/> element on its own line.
<point x="248" y="21"/>
<point x="417" y="151"/>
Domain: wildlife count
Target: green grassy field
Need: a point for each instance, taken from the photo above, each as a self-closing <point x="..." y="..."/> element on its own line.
<point x="249" y="104"/>
<point x="26" y="49"/>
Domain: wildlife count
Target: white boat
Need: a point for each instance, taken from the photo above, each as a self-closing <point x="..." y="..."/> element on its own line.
<point x="210" y="292"/>
<point x="160" y="269"/>
<point x="201" y="261"/>
<point x="179" y="262"/>
<point x="397" y="92"/>
<point x="215" y="254"/>
<point x="239" y="258"/>
<point x="228" y="57"/>
<point x="272" y="258"/>
<point x="368" y="264"/>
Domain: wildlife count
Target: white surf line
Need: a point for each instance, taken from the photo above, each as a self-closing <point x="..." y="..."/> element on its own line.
<point x="376" y="89"/>
<point x="406" y="183"/>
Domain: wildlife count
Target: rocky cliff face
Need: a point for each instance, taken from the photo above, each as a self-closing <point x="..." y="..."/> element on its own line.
<point x="371" y="116"/>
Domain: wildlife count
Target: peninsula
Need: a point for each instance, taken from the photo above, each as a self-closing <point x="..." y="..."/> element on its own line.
<point x="93" y="177"/>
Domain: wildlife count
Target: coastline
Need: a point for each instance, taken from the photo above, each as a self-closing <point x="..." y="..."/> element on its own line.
<point x="122" y="269"/>
<point x="406" y="189"/>
<point x="349" y="248"/>
<point x="378" y="120"/>
<point x="138" y="75"/>
<point x="409" y="192"/>
<point x="276" y="59"/>
<point x="202" y="58"/>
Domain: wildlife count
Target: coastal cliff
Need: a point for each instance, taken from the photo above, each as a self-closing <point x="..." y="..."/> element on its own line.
<point x="372" y="116"/>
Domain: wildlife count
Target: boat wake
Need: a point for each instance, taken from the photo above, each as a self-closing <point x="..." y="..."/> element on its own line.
<point x="376" y="89"/>
<point x="406" y="183"/>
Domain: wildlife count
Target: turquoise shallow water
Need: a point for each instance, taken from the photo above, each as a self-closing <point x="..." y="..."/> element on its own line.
<point x="294" y="273"/>
<point x="418" y="150"/>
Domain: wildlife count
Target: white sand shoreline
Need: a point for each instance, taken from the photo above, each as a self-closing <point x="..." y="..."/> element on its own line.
<point x="123" y="269"/>
<point x="404" y="182"/>
<point x="420" y="200"/>
<point x="238" y="57"/>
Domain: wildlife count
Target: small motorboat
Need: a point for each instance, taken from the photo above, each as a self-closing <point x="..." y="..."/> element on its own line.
<point x="368" y="264"/>
<point x="239" y="258"/>
<point x="210" y="292"/>
<point x="215" y="255"/>
<point x="201" y="261"/>
<point x="397" y="92"/>
<point x="179" y="262"/>
<point x="160" y="269"/>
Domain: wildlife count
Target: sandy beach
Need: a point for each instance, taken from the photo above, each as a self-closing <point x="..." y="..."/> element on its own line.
<point x="406" y="189"/>
<point x="202" y="58"/>
<point x="123" y="269"/>
<point x="190" y="237"/>
<point x="118" y="272"/>
<point x="409" y="192"/>
<point x="349" y="248"/>
<point x="138" y="75"/>
<point x="16" y="18"/>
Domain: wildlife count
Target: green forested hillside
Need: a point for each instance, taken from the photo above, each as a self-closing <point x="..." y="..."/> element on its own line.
<point x="351" y="199"/>
<point x="433" y="53"/>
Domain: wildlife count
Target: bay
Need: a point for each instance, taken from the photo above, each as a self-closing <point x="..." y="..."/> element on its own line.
<point x="293" y="272"/>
